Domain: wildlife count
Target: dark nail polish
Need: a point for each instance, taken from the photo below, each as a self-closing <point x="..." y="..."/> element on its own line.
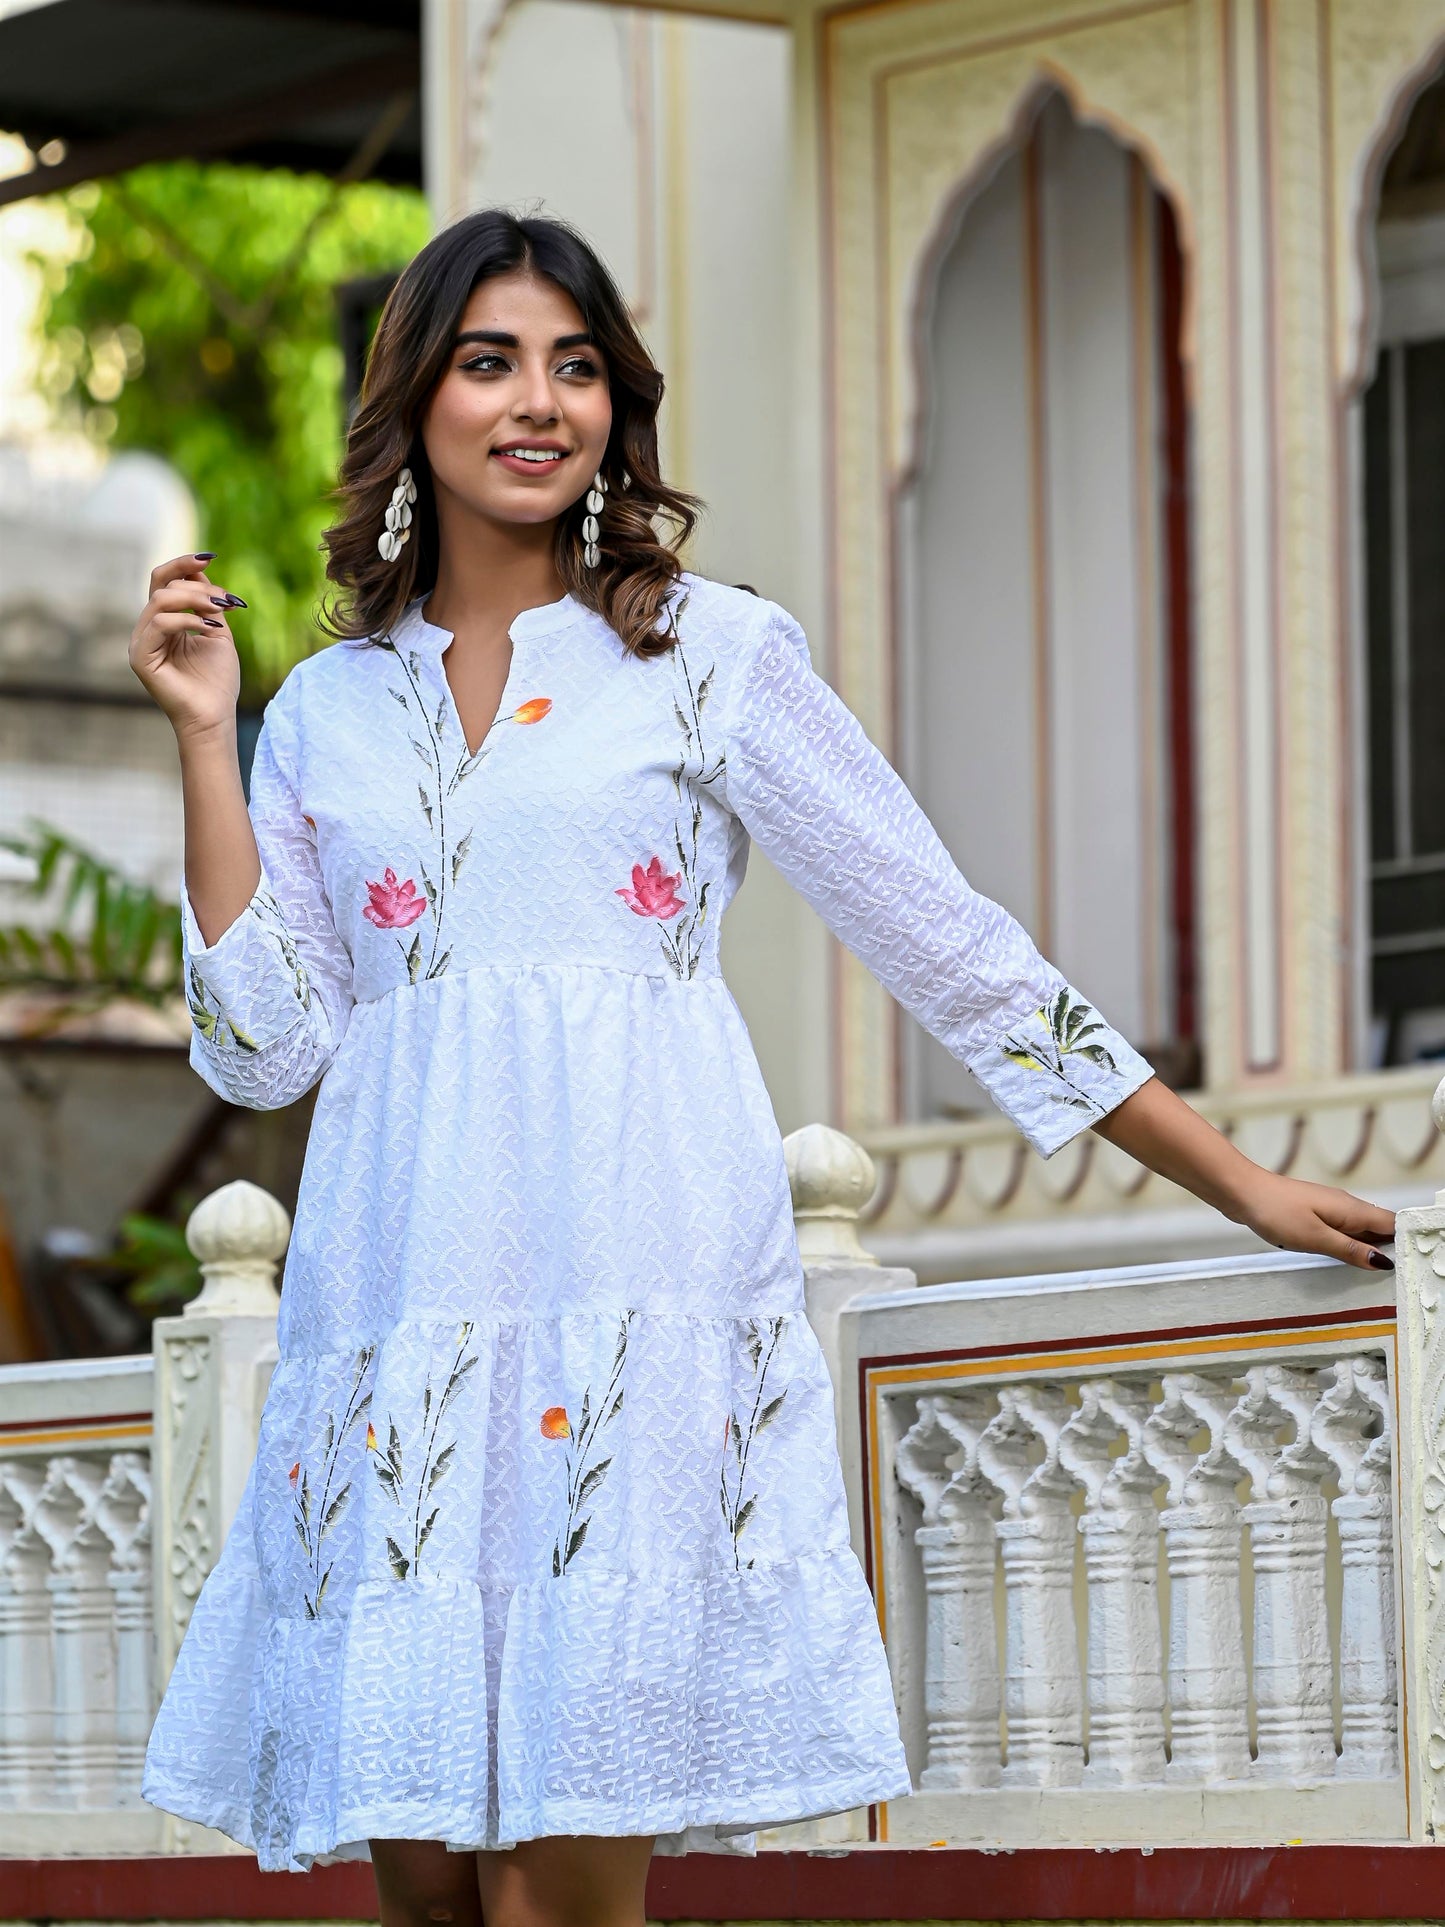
<point x="213" y="622"/>
<point x="235" y="602"/>
<point x="220" y="602"/>
<point x="1381" y="1262"/>
<point x="205" y="555"/>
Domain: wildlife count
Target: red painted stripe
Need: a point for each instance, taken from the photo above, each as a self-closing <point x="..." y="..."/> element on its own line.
<point x="869" y="1883"/>
<point x="1019" y="1349"/>
<point x="15" y="1426"/>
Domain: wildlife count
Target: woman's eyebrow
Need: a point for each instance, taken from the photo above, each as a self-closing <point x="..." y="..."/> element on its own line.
<point x="495" y="339"/>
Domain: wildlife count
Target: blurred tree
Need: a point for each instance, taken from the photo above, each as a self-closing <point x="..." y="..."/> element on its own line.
<point x="197" y="318"/>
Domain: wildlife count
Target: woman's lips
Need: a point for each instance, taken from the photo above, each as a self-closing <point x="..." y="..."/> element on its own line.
<point x="519" y="465"/>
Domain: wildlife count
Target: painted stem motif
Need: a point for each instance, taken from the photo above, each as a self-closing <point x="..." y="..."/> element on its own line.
<point x="314" y="1524"/>
<point x="435" y="1465"/>
<point x="583" y="1478"/>
<point x="682" y="940"/>
<point x="1067" y="1025"/>
<point x="737" y="1510"/>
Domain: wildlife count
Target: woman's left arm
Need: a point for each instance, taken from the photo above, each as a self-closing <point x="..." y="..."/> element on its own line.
<point x="1161" y="1130"/>
<point x="822" y="802"/>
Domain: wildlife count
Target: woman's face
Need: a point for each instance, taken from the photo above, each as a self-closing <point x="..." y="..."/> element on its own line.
<point x="518" y="425"/>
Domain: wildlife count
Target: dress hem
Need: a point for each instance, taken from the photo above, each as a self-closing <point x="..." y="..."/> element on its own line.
<point x="355" y="1830"/>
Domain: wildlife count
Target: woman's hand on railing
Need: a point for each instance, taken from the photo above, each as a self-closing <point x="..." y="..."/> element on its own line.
<point x="1162" y="1131"/>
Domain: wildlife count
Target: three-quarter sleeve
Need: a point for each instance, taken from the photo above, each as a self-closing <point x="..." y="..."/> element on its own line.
<point x="270" y="998"/>
<point x="829" y="811"/>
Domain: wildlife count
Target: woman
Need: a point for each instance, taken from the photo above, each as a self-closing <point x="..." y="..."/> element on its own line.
<point x="545" y="1546"/>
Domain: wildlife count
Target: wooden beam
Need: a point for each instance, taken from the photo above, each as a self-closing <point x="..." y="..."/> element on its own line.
<point x="223" y="129"/>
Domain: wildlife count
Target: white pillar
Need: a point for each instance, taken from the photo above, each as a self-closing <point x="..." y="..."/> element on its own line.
<point x="124" y="1512"/>
<point x="213" y="1365"/>
<point x="1293" y="1663"/>
<point x="27" y="1687"/>
<point x="1208" y="1688"/>
<point x="1043" y="1692"/>
<point x="1120" y="1531"/>
<point x="957" y="1546"/>
<point x="1352" y="1427"/>
<point x="83" y="1624"/>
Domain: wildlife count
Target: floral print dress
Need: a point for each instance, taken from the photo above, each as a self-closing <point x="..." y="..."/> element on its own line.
<point x="546" y="1528"/>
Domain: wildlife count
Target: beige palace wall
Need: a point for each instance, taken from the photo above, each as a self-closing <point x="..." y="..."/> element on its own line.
<point x="1265" y="121"/>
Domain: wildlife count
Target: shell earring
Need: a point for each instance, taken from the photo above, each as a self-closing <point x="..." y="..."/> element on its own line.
<point x="591" y="526"/>
<point x="398" y="518"/>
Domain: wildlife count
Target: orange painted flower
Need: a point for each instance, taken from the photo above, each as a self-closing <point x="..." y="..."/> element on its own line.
<point x="554" y="1423"/>
<point x="533" y="710"/>
<point x="370" y="1436"/>
<point x="295" y="1472"/>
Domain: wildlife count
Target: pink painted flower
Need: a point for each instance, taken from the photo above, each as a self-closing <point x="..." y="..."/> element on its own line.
<point x="393" y="905"/>
<point x="653" y="892"/>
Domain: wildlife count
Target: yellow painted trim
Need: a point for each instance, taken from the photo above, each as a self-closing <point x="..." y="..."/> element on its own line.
<point x="100" y="1434"/>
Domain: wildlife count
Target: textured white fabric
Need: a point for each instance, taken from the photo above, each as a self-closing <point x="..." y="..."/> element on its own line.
<point x="546" y="1530"/>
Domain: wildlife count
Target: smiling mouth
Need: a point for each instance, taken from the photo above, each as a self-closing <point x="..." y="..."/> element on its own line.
<point x="533" y="457"/>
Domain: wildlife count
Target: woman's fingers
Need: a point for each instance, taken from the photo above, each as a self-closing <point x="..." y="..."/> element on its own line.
<point x="180" y="566"/>
<point x="188" y="593"/>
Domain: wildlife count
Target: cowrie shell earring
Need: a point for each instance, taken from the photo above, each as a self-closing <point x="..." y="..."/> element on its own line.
<point x="591" y="527"/>
<point x="398" y="518"/>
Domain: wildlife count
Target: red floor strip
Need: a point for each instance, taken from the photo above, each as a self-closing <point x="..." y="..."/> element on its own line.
<point x="882" y="1883"/>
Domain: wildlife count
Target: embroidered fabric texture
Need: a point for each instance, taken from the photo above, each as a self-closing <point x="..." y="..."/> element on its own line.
<point x="546" y="1529"/>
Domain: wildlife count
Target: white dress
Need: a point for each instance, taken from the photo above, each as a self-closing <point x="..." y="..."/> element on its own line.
<point x="546" y="1528"/>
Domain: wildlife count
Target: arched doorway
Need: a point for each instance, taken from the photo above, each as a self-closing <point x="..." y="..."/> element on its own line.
<point x="1045" y="571"/>
<point x="1402" y="526"/>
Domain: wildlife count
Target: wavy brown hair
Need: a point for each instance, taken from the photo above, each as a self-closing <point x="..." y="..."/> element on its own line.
<point x="645" y="521"/>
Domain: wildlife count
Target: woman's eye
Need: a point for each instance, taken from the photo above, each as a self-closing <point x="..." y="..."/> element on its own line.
<point x="582" y="365"/>
<point x="484" y="364"/>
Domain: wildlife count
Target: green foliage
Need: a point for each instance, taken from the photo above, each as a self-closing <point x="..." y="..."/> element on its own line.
<point x="109" y="938"/>
<point x="198" y="320"/>
<point x="157" y="1262"/>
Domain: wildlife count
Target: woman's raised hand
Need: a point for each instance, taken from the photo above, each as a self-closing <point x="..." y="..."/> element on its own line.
<point x="182" y="648"/>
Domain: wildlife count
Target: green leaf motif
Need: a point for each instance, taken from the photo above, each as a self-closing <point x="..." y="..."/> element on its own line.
<point x="593" y="1479"/>
<point x="574" y="1544"/>
<point x="397" y="1559"/>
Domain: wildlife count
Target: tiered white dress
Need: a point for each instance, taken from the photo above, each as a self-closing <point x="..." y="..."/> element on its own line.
<point x="546" y="1529"/>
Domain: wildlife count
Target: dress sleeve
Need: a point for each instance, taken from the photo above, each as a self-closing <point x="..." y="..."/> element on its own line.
<point x="829" y="811"/>
<point x="271" y="997"/>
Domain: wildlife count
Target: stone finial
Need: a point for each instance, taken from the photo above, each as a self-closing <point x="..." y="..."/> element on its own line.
<point x="238" y="1233"/>
<point x="831" y="1179"/>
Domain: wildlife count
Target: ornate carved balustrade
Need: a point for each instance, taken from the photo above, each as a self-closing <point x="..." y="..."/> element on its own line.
<point x="971" y="1200"/>
<point x="1158" y="1551"/>
<point x="118" y="1478"/>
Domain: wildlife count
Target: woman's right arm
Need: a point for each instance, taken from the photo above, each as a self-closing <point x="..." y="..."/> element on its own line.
<point x="268" y="979"/>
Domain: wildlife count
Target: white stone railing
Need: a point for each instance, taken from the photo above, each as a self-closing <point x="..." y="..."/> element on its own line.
<point x="118" y="1478"/>
<point x="971" y="1200"/>
<point x="1158" y="1553"/>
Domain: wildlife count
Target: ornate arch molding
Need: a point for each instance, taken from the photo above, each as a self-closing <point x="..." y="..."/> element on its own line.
<point x="1383" y="59"/>
<point x="919" y="291"/>
<point x="918" y="103"/>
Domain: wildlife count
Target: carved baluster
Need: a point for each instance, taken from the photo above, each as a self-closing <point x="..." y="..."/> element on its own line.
<point x="1351" y="1426"/>
<point x="1293" y="1665"/>
<point x="27" y="1693"/>
<point x="124" y="1516"/>
<point x="1043" y="1694"/>
<point x="83" y="1619"/>
<point x="1208" y="1688"/>
<point x="1120" y="1530"/>
<point x="956" y="1544"/>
